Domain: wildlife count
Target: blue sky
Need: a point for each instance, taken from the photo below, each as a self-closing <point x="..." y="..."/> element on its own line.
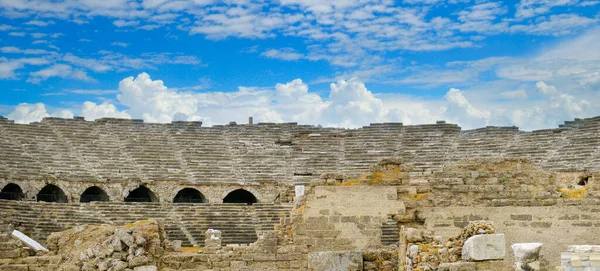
<point x="529" y="63"/>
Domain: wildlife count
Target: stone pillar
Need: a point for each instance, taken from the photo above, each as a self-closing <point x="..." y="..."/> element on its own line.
<point x="299" y="192"/>
<point x="250" y="121"/>
<point x="527" y="256"/>
<point x="212" y="238"/>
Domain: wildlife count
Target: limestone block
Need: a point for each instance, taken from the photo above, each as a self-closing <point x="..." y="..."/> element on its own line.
<point x="118" y="266"/>
<point x="146" y="268"/>
<point x="138" y="261"/>
<point x="15" y="253"/>
<point x="335" y="261"/>
<point x="414" y="235"/>
<point x="127" y="239"/>
<point x="526" y="252"/>
<point x="458" y="266"/>
<point x="484" y="247"/>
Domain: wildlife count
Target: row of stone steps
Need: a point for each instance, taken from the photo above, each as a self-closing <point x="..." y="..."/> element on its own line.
<point x="238" y="222"/>
<point x="115" y="149"/>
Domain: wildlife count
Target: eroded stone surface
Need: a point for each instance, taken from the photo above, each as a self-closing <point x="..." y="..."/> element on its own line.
<point x="527" y="256"/>
<point x="458" y="266"/>
<point x="335" y="261"/>
<point x="484" y="247"/>
<point x="527" y="252"/>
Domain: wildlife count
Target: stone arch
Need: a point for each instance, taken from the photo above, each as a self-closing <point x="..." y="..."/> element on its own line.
<point x="93" y="193"/>
<point x="52" y="193"/>
<point x="12" y="191"/>
<point x="189" y="195"/>
<point x="240" y="196"/>
<point x="260" y="195"/>
<point x="141" y="194"/>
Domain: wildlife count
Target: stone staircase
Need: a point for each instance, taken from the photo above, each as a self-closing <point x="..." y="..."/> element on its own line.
<point x="24" y="216"/>
<point x="389" y="232"/>
<point x="9" y="247"/>
<point x="186" y="222"/>
<point x="233" y="220"/>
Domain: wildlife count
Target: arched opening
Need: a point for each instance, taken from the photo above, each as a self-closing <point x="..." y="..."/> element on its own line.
<point x="93" y="193"/>
<point x="189" y="195"/>
<point x="52" y="193"/>
<point x="141" y="194"/>
<point x="240" y="196"/>
<point x="12" y="192"/>
<point x="583" y="181"/>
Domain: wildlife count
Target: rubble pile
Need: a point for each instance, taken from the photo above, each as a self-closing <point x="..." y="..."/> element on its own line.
<point x="136" y="246"/>
<point x="421" y="250"/>
<point x="426" y="252"/>
<point x="452" y="251"/>
<point x="380" y="260"/>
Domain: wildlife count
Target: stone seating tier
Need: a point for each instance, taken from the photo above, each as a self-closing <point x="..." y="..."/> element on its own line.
<point x="114" y="149"/>
<point x="186" y="222"/>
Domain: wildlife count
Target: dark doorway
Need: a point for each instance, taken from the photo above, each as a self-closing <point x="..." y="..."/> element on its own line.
<point x="52" y="193"/>
<point x="189" y="195"/>
<point x="12" y="192"/>
<point x="93" y="193"/>
<point x="240" y="196"/>
<point x="141" y="194"/>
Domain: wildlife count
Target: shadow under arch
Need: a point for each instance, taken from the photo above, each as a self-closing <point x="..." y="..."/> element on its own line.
<point x="52" y="193"/>
<point x="141" y="194"/>
<point x="189" y="195"/>
<point x="240" y="196"/>
<point x="93" y="193"/>
<point x="12" y="191"/>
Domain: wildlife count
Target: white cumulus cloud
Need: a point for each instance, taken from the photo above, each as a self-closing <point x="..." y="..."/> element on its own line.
<point x="92" y="111"/>
<point x="26" y="113"/>
<point x="349" y="103"/>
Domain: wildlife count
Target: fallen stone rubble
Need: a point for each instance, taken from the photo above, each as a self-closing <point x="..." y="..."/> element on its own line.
<point x="425" y="252"/>
<point x="133" y="247"/>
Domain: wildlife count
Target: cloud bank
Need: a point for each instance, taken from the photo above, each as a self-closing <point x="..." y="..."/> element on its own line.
<point x="349" y="104"/>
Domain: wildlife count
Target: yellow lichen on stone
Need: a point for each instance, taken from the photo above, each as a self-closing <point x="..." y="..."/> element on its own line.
<point x="574" y="193"/>
<point x="352" y="182"/>
<point x="190" y="249"/>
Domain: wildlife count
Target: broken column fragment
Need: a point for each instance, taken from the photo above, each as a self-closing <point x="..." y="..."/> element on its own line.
<point x="527" y="256"/>
<point x="212" y="238"/>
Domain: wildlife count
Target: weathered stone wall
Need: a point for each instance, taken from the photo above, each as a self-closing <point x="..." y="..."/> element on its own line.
<point x="525" y="203"/>
<point x="242" y="258"/>
<point x="556" y="227"/>
<point x="345" y="218"/>
<point x="109" y="150"/>
<point x="39" y="263"/>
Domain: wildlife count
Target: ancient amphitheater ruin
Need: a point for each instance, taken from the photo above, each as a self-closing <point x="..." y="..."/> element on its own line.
<point x="285" y="196"/>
